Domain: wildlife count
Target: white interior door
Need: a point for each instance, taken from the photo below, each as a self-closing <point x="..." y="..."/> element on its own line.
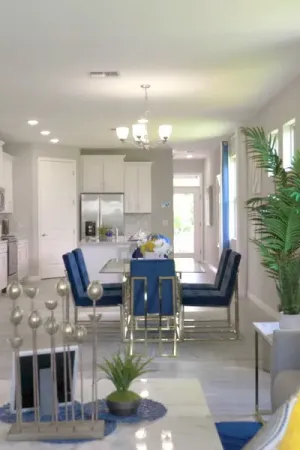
<point x="57" y="214"/>
<point x="187" y="222"/>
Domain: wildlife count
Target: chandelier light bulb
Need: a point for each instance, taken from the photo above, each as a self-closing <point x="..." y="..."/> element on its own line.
<point x="165" y="132"/>
<point x="139" y="131"/>
<point x="122" y="133"/>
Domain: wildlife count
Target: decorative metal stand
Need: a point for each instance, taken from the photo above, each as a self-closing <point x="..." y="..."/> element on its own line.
<point x="69" y="428"/>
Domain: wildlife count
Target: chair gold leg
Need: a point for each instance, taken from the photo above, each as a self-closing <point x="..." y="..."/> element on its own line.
<point x="229" y="315"/>
<point x="75" y="315"/>
<point x="237" y="311"/>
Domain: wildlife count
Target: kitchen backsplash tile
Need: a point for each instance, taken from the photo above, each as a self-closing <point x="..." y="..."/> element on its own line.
<point x="136" y="222"/>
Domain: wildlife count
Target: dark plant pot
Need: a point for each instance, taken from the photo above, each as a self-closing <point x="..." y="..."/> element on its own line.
<point x="123" y="409"/>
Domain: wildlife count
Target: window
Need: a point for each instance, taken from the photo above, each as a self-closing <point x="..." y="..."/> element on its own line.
<point x="288" y="143"/>
<point x="186" y="181"/>
<point x="274" y="139"/>
<point x="232" y="198"/>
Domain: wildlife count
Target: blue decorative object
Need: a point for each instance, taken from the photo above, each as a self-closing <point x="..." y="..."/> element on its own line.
<point x="235" y="435"/>
<point x="137" y="253"/>
<point x="148" y="410"/>
<point x="9" y="417"/>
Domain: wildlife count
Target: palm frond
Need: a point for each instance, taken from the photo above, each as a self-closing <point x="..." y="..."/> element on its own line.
<point x="276" y="218"/>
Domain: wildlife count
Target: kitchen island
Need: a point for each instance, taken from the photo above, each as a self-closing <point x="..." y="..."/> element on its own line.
<point x="97" y="253"/>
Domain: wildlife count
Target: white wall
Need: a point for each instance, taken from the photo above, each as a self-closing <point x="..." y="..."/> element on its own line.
<point x="212" y="168"/>
<point x="280" y="109"/>
<point x="24" y="220"/>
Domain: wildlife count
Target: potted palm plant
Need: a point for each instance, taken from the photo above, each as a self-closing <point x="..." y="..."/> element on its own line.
<point x="122" y="370"/>
<point x="276" y="220"/>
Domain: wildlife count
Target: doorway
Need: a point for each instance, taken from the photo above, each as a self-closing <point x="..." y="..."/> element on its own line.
<point x="56" y="214"/>
<point x="187" y="222"/>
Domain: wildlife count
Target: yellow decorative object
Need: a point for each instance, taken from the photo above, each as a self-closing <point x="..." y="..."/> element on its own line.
<point x="148" y="247"/>
<point x="291" y="438"/>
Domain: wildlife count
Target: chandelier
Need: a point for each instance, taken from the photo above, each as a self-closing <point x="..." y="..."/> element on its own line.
<point x="140" y="129"/>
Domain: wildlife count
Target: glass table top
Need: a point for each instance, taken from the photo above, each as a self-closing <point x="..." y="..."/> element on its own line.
<point x="182" y="265"/>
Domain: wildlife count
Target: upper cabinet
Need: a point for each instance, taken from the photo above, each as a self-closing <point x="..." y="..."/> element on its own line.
<point x="8" y="182"/>
<point x="137" y="187"/>
<point x="102" y="173"/>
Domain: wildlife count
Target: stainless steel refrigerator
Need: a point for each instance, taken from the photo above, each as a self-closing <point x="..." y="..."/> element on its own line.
<point x="102" y="210"/>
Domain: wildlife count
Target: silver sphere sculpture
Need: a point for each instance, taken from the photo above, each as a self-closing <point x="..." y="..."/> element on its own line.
<point x="51" y="304"/>
<point x="67" y="330"/>
<point x="95" y="290"/>
<point x="51" y="326"/>
<point x="34" y="320"/>
<point x="31" y="291"/>
<point x="14" y="290"/>
<point x="62" y="287"/>
<point x="79" y="333"/>
<point x="15" y="342"/>
<point x="16" y="316"/>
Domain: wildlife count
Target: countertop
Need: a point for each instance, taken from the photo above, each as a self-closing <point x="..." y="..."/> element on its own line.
<point x="120" y="241"/>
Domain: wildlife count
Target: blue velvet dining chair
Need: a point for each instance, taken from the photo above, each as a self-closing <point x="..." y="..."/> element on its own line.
<point x="221" y="298"/>
<point x="216" y="285"/>
<point x="153" y="302"/>
<point x="111" y="297"/>
<point x="84" y="273"/>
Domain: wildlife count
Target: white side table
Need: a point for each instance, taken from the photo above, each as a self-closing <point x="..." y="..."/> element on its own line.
<point x="265" y="331"/>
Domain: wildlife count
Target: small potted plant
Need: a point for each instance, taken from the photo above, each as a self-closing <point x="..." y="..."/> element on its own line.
<point x="122" y="370"/>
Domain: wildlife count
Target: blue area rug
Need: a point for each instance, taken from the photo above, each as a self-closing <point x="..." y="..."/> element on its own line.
<point x="235" y="435"/>
<point x="148" y="410"/>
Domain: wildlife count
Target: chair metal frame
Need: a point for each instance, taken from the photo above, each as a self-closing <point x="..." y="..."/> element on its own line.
<point x="151" y="322"/>
<point x="86" y="323"/>
<point x="225" y="329"/>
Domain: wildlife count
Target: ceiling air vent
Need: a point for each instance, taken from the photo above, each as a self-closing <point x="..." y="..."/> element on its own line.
<point x="108" y="74"/>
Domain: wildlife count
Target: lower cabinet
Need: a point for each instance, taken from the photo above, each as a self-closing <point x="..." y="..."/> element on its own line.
<point x="3" y="265"/>
<point x="22" y="259"/>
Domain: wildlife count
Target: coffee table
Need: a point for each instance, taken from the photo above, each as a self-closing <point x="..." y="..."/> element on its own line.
<point x="187" y="425"/>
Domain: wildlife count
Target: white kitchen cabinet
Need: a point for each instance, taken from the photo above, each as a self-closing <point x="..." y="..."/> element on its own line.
<point x="3" y="265"/>
<point x="137" y="187"/>
<point x="8" y="182"/>
<point x="22" y="259"/>
<point x="102" y="173"/>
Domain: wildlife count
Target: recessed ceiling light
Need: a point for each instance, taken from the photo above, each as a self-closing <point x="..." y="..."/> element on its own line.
<point x="54" y="141"/>
<point x="32" y="122"/>
<point x="105" y="74"/>
<point x="189" y="156"/>
<point x="45" y="132"/>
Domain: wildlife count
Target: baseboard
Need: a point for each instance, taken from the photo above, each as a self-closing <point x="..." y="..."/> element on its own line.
<point x="33" y="278"/>
<point x="262" y="305"/>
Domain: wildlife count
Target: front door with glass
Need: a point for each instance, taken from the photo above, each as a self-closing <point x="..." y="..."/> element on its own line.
<point x="187" y="224"/>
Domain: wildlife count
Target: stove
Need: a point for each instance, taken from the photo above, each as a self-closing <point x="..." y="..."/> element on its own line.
<point x="12" y="257"/>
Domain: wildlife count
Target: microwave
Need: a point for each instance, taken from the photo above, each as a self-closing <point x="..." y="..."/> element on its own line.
<point x="2" y="199"/>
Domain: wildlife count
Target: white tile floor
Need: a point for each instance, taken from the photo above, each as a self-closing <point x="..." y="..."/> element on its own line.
<point x="224" y="369"/>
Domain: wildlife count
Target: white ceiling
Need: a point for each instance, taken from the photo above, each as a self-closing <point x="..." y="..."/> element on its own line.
<point x="211" y="64"/>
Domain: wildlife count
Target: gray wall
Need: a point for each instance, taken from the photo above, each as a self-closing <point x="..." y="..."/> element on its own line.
<point x="281" y="109"/>
<point x="24" y="220"/>
<point x="190" y="166"/>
